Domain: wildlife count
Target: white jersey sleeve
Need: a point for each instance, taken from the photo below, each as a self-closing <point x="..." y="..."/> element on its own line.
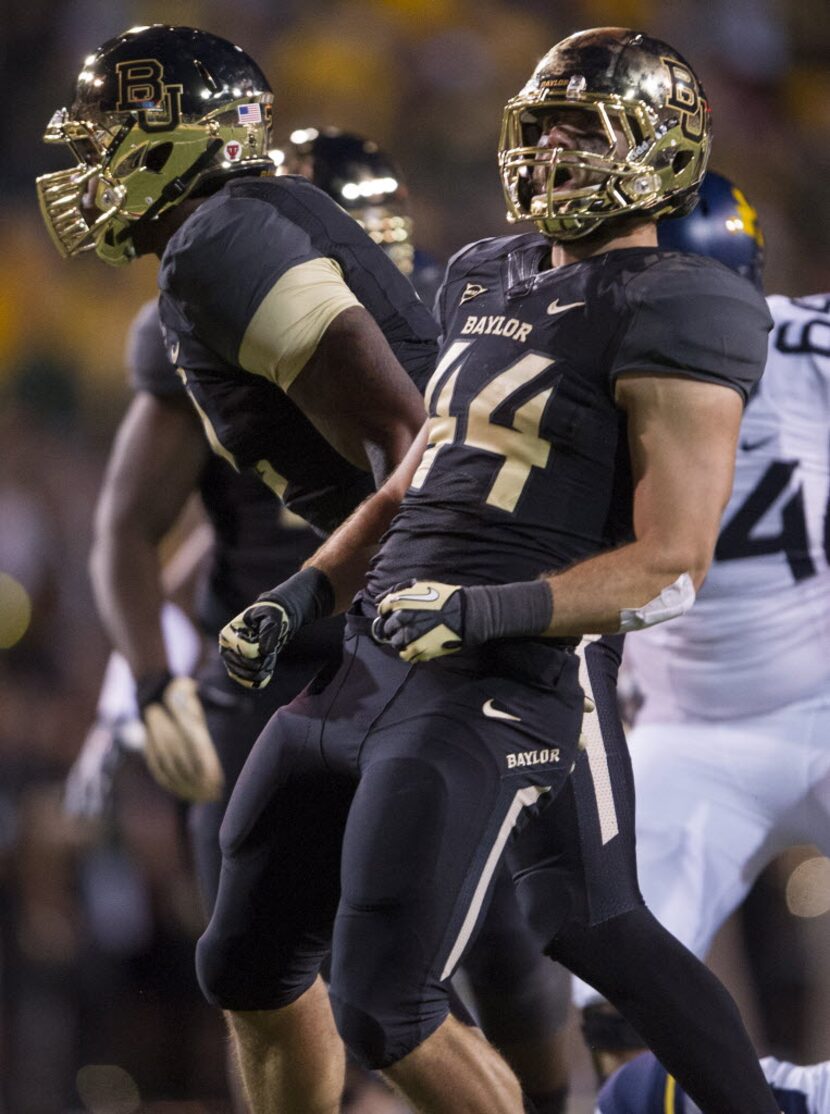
<point x="758" y="636"/>
<point x="799" y="1087"/>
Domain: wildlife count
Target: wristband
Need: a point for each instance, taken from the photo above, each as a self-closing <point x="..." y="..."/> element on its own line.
<point x="149" y="689"/>
<point x="507" y="610"/>
<point x="306" y="596"/>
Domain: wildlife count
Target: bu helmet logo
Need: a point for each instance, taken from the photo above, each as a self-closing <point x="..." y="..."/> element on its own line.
<point x="685" y="97"/>
<point x="141" y="89"/>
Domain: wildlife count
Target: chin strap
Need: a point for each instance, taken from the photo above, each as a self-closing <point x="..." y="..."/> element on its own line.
<point x="173" y="190"/>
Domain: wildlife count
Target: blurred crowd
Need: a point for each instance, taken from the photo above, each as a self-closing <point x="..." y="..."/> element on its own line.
<point x="98" y="1005"/>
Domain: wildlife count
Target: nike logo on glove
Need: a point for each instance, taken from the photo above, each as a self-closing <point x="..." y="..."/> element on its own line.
<point x="430" y="596"/>
<point x="555" y="307"/>
<point x="496" y="713"/>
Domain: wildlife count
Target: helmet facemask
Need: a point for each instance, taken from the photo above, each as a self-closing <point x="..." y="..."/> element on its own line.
<point x="638" y="158"/>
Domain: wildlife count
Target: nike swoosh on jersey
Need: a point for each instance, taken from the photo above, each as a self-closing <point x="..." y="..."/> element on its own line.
<point x="555" y="307"/>
<point x="419" y="597"/>
<point x="496" y="713"/>
<point x="750" y="446"/>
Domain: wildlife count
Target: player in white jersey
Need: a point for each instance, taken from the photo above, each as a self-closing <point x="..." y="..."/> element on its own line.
<point x="643" y="1086"/>
<point x="731" y="748"/>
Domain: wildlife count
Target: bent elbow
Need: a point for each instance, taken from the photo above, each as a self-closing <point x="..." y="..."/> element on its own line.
<point x="694" y="558"/>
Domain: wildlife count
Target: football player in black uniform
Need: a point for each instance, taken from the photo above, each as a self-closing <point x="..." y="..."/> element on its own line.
<point x="520" y="1000"/>
<point x="570" y="479"/>
<point x="301" y="344"/>
<point x="159" y="459"/>
<point x="274" y="303"/>
<point x="170" y="127"/>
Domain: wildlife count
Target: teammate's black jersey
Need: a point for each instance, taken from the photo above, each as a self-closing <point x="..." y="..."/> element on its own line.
<point x="257" y="543"/>
<point x="427" y="276"/>
<point x="528" y="467"/>
<point x="214" y="275"/>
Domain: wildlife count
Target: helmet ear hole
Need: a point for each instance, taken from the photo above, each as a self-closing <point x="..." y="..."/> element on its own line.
<point x="680" y="161"/>
<point x="132" y="161"/>
<point x="157" y="157"/>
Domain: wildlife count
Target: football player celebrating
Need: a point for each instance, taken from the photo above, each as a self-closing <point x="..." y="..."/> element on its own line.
<point x="712" y="701"/>
<point x="196" y="742"/>
<point x="520" y="1000"/>
<point x="570" y="479"/>
<point x="299" y="340"/>
<point x="170" y="127"/>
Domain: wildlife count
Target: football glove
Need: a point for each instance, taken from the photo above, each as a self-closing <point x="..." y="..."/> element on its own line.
<point x="251" y="643"/>
<point x="178" y="749"/>
<point x="425" y="619"/>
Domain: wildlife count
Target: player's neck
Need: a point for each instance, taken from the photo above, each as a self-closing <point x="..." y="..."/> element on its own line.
<point x="641" y="235"/>
<point x="152" y="237"/>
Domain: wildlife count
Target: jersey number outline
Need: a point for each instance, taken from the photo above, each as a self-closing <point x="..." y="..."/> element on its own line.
<point x="518" y="442"/>
<point x="736" y="540"/>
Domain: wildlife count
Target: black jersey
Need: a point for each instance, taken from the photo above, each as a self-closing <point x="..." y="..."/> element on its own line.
<point x="527" y="468"/>
<point x="215" y="273"/>
<point x="427" y="276"/>
<point x="257" y="542"/>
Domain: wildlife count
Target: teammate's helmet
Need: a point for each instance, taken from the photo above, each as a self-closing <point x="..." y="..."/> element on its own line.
<point x="723" y="225"/>
<point x="361" y="177"/>
<point x="159" y="112"/>
<point x="653" y="132"/>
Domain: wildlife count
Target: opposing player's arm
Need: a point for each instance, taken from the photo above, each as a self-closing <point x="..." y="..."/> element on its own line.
<point x="154" y="467"/>
<point x="682" y="439"/>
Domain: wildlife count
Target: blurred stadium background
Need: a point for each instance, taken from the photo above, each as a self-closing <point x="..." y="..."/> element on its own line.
<point x="98" y="1010"/>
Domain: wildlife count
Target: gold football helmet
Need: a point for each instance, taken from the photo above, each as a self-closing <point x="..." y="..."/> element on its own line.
<point x="640" y="128"/>
<point x="160" y="113"/>
<point x="362" y="178"/>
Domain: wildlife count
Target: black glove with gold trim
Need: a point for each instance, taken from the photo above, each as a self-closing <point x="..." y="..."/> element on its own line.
<point x="251" y="643"/>
<point x="426" y="619"/>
